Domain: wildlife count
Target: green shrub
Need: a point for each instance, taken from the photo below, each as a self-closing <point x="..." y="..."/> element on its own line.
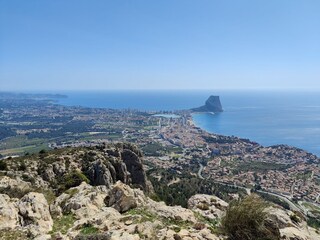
<point x="3" y="165"/>
<point x="14" y="192"/>
<point x="10" y="234"/>
<point x="88" y="229"/>
<point x="43" y="151"/>
<point x="96" y="236"/>
<point x="63" y="224"/>
<point x="28" y="178"/>
<point x="245" y="219"/>
<point x="314" y="222"/>
<point x="295" y="218"/>
<point x="72" y="179"/>
<point x="22" y="166"/>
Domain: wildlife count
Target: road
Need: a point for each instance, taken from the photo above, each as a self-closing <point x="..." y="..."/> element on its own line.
<point x="200" y="171"/>
<point x="291" y="204"/>
<point x="248" y="190"/>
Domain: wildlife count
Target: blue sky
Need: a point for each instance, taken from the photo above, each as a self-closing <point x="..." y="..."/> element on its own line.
<point x="167" y="44"/>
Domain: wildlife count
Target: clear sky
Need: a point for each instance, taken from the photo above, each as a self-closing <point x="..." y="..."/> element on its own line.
<point x="165" y="44"/>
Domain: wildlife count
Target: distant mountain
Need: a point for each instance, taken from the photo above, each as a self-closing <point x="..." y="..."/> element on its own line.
<point x="212" y="104"/>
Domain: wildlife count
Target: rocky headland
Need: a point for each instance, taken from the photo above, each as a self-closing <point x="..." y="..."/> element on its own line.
<point x="212" y="104"/>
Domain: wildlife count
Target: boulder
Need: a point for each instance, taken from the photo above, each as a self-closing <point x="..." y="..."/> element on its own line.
<point x="56" y="206"/>
<point x="280" y="217"/>
<point x="8" y="213"/>
<point x="7" y="182"/>
<point x="172" y="212"/>
<point x="292" y="233"/>
<point x="35" y="215"/>
<point x="85" y="200"/>
<point x="208" y="206"/>
<point x="124" y="198"/>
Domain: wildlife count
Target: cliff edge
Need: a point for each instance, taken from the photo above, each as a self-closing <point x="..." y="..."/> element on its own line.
<point x="212" y="104"/>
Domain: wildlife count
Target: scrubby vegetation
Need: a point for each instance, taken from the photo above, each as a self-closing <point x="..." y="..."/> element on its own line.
<point x="14" y="234"/>
<point x="314" y="222"/>
<point x="246" y="220"/>
<point x="73" y="179"/>
<point x="63" y="224"/>
<point x="3" y="165"/>
<point x="88" y="229"/>
<point x="179" y="192"/>
<point x="145" y="215"/>
<point x="14" y="192"/>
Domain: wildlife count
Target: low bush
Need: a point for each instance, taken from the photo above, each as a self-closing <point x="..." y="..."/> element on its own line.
<point x="245" y="219"/>
<point x="72" y="179"/>
<point x="3" y="165"/>
<point x="14" y="192"/>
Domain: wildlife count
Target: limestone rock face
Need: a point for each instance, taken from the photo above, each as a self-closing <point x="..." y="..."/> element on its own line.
<point x="208" y="206"/>
<point x="99" y="173"/>
<point x="289" y="230"/>
<point x="34" y="211"/>
<point x="102" y="165"/>
<point x="8" y="213"/>
<point x="134" y="166"/>
<point x="212" y="104"/>
<point x="291" y="233"/>
<point x="84" y="201"/>
<point x="48" y="174"/>
<point x="7" y="182"/>
<point x="171" y="212"/>
<point x="280" y="217"/>
<point x="57" y="205"/>
<point x="124" y="198"/>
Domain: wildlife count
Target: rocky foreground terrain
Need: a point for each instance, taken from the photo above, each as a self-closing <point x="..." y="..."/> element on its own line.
<point x="103" y="193"/>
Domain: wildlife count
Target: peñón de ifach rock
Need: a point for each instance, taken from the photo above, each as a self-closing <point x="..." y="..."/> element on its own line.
<point x="212" y="104"/>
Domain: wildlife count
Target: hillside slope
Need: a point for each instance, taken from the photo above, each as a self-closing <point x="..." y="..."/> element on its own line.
<point x="103" y="193"/>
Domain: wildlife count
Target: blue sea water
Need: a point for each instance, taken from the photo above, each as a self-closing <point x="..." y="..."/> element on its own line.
<point x="267" y="117"/>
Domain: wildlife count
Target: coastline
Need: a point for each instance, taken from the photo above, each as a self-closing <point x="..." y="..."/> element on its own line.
<point x="263" y="139"/>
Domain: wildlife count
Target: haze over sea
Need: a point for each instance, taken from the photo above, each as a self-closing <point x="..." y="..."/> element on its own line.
<point x="267" y="117"/>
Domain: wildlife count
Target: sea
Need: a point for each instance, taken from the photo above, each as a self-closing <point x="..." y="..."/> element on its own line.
<point x="267" y="117"/>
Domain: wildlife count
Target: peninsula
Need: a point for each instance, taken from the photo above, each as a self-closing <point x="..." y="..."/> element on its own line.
<point x="212" y="104"/>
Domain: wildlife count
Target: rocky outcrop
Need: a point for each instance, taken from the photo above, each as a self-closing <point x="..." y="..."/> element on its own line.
<point x="121" y="212"/>
<point x="123" y="198"/>
<point x="100" y="172"/>
<point x="7" y="182"/>
<point x="102" y="165"/>
<point x="34" y="213"/>
<point x="289" y="229"/>
<point x="292" y="233"/>
<point x="212" y="104"/>
<point x="84" y="201"/>
<point x="120" y="162"/>
<point x="8" y="213"/>
<point x="134" y="165"/>
<point x="208" y="206"/>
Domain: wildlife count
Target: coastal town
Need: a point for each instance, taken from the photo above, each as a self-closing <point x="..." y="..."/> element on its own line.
<point x="280" y="169"/>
